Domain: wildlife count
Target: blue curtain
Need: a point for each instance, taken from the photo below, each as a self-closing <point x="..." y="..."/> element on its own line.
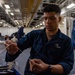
<point x="73" y="34"/>
<point x="20" y="33"/>
<point x="15" y="72"/>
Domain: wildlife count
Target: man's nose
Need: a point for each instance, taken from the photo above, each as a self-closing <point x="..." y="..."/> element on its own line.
<point x="48" y="20"/>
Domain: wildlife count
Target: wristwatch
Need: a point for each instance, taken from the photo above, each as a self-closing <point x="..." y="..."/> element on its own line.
<point x="49" y="68"/>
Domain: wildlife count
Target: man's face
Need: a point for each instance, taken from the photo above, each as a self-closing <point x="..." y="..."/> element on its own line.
<point x="51" y="20"/>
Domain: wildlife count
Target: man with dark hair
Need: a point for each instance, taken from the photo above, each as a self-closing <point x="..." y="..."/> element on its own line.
<point x="51" y="50"/>
<point x="51" y="8"/>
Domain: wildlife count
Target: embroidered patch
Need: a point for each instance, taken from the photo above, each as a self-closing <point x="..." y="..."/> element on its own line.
<point x="57" y="46"/>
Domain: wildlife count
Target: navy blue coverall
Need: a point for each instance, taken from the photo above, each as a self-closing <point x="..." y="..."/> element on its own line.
<point x="56" y="51"/>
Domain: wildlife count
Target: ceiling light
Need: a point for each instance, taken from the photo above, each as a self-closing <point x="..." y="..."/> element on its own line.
<point x="43" y="23"/>
<point x="71" y="5"/>
<point x="36" y="26"/>
<point x="0" y="22"/>
<point x="40" y="24"/>
<point x="17" y="10"/>
<point x="12" y="14"/>
<point x="9" y="26"/>
<point x="7" y="6"/>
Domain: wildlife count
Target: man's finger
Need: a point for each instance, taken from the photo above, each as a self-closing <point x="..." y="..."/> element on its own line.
<point x="38" y="61"/>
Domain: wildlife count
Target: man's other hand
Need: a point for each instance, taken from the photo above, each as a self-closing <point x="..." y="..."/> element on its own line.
<point x="37" y="65"/>
<point x="11" y="47"/>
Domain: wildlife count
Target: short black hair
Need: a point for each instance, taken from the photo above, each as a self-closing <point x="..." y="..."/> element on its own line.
<point x="52" y="8"/>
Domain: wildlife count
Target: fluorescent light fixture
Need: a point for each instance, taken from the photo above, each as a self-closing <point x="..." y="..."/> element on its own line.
<point x="37" y="26"/>
<point x="40" y="24"/>
<point x="9" y="26"/>
<point x="17" y="10"/>
<point x="7" y="6"/>
<point x="12" y="14"/>
<point x="0" y="22"/>
<point x="70" y="5"/>
<point x="43" y="23"/>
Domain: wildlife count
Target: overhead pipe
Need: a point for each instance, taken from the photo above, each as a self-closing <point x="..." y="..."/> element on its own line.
<point x="35" y="9"/>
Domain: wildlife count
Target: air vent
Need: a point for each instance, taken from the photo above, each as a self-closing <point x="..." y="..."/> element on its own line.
<point x="44" y="0"/>
<point x="36" y="19"/>
<point x="32" y="24"/>
<point x="44" y="4"/>
<point x="39" y="13"/>
<point x="38" y="16"/>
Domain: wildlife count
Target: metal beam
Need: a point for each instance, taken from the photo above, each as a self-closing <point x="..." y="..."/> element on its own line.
<point x="35" y="9"/>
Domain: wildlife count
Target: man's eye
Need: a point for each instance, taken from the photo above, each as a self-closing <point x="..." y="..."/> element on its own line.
<point x="52" y="18"/>
<point x="45" y="18"/>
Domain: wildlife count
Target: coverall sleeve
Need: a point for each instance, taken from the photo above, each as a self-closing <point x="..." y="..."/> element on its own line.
<point x="67" y="58"/>
<point x="25" y="42"/>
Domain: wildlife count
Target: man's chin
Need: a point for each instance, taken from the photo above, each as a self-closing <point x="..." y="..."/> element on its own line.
<point x="49" y="29"/>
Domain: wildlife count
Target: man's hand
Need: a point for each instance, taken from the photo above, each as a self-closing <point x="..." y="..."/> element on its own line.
<point x="37" y="65"/>
<point x="11" y="47"/>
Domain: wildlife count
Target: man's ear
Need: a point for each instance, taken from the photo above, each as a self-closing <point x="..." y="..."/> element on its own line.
<point x="60" y="19"/>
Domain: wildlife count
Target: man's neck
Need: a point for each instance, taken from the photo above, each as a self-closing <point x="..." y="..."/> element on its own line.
<point x="50" y="34"/>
